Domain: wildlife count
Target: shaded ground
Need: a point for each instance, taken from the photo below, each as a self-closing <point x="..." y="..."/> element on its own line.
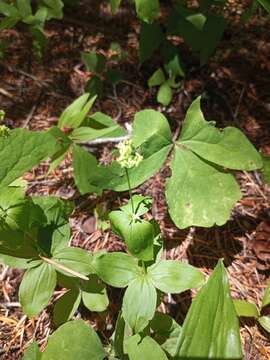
<point x="236" y="91"/>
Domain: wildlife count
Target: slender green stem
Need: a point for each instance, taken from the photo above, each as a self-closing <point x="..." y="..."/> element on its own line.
<point x="129" y="190"/>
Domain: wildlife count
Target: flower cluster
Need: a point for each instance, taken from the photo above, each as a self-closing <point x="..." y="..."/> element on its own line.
<point x="4" y="131"/>
<point x="129" y="157"/>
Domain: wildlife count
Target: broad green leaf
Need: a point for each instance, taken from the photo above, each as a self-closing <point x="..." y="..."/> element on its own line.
<point x="147" y="10"/>
<point x="114" y="76"/>
<point x="115" y="4"/>
<point x="19" y="244"/>
<point x="17" y="262"/>
<point x="138" y="234"/>
<point x="94" y="294"/>
<point x="86" y="171"/>
<point x="266" y="295"/>
<point x="113" y="176"/>
<point x="32" y="352"/>
<point x="24" y="7"/>
<point x="36" y="289"/>
<point x="266" y="169"/>
<point x="165" y="94"/>
<point x="74" y="114"/>
<point x="228" y="147"/>
<point x="139" y="303"/>
<point x="74" y="340"/>
<point x="264" y="321"/>
<point x="212" y="34"/>
<point x="157" y="78"/>
<point x="75" y="259"/>
<point x="151" y="37"/>
<point x="8" y="10"/>
<point x="21" y="151"/>
<point x="213" y="336"/>
<point x="116" y="269"/>
<point x="166" y="332"/>
<point x="144" y="348"/>
<point x="66" y="306"/>
<point x="94" y="62"/>
<point x="265" y="4"/>
<point x="171" y="276"/>
<point x="197" y="193"/>
<point x="18" y="212"/>
<point x="245" y="309"/>
<point x="149" y="124"/>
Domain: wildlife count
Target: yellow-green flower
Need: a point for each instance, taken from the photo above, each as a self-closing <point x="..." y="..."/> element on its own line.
<point x="2" y="115"/>
<point x="4" y="131"/>
<point x="128" y="157"/>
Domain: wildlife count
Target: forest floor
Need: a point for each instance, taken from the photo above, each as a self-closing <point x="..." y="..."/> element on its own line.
<point x="235" y="85"/>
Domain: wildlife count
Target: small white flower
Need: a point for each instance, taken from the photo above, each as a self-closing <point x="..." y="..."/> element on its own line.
<point x="128" y="157"/>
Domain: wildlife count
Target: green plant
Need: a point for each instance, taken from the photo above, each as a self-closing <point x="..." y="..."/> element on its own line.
<point x="247" y="309"/>
<point x="22" y="11"/>
<point x="35" y="232"/>
<point x="98" y="65"/>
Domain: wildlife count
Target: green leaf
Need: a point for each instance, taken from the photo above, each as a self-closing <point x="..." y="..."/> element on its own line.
<point x="171" y="276"/>
<point x="19" y="244"/>
<point x="157" y="78"/>
<point x="17" y="262"/>
<point x="197" y="193"/>
<point x="144" y="348"/>
<point x="15" y="153"/>
<point x="149" y="124"/>
<point x="115" y="4"/>
<point x="265" y="4"/>
<point x="94" y="295"/>
<point x="264" y="321"/>
<point x="142" y="204"/>
<point x="75" y="259"/>
<point x="151" y="36"/>
<point x="245" y="309"/>
<point x="94" y="62"/>
<point x="116" y="269"/>
<point x="137" y="233"/>
<point x="121" y="332"/>
<point x="139" y="303"/>
<point x="174" y="66"/>
<point x="147" y="10"/>
<point x="32" y="352"/>
<point x="24" y="7"/>
<point x="213" y="336"/>
<point x="266" y="296"/>
<point x="36" y="289"/>
<point x="164" y="95"/>
<point x="228" y="147"/>
<point x="212" y="34"/>
<point x="266" y="169"/>
<point x="66" y="306"/>
<point x="86" y="171"/>
<point x="18" y="212"/>
<point x="74" y="114"/>
<point x="114" y="76"/>
<point x="94" y="86"/>
<point x="74" y="340"/>
<point x="64" y="145"/>
<point x="166" y="332"/>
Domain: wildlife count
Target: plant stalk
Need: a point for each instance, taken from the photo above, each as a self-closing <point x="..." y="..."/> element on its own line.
<point x="130" y="192"/>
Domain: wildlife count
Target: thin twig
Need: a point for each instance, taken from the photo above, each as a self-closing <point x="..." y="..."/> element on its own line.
<point x="64" y="268"/>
